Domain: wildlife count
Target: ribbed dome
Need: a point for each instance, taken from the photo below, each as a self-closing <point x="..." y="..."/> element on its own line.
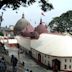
<point x="20" y="25"/>
<point x="41" y="28"/>
<point x="34" y="35"/>
<point x="27" y="30"/>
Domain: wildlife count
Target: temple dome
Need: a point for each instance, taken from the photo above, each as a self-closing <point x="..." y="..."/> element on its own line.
<point x="41" y="28"/>
<point x="20" y="25"/>
<point x="29" y="32"/>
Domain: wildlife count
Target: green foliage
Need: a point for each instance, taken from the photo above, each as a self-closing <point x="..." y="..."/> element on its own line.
<point x="1" y="34"/>
<point x="16" y="4"/>
<point x="62" y="23"/>
<point x="2" y="49"/>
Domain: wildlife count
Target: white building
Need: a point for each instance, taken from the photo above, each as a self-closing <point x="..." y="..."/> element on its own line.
<point x="54" y="51"/>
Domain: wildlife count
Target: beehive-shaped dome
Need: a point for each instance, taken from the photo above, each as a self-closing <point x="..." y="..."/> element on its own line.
<point x="27" y="30"/>
<point x="20" y="25"/>
<point x="41" y="28"/>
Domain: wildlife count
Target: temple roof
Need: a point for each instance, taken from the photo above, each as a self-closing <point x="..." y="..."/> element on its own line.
<point x="27" y="30"/>
<point x="55" y="45"/>
<point x="41" y="28"/>
<point x="21" y="24"/>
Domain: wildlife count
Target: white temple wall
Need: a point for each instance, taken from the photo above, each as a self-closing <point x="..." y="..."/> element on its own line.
<point x="67" y="62"/>
<point x="45" y="59"/>
<point x="33" y="53"/>
<point x="24" y="42"/>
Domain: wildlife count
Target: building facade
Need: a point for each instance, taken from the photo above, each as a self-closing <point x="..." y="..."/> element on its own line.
<point x="53" y="62"/>
<point x="52" y="50"/>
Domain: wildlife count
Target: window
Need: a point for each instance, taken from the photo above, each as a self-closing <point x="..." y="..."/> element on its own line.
<point x="42" y="58"/>
<point x="70" y="60"/>
<point x="65" y="66"/>
<point x="45" y="55"/>
<point x="45" y="61"/>
<point x="48" y="62"/>
<point x="49" y="67"/>
<point x="48" y="56"/>
<point x="65" y="60"/>
<point x="69" y="66"/>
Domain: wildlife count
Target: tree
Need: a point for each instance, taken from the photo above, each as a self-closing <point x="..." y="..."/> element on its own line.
<point x="1" y="34"/>
<point x="2" y="49"/>
<point x="16" y="4"/>
<point x="62" y="23"/>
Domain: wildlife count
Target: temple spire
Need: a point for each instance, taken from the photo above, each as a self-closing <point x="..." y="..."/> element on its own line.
<point x="41" y="21"/>
<point x="23" y="15"/>
<point x="2" y="13"/>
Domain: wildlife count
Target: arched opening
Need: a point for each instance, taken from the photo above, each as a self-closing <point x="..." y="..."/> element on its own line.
<point x="49" y="67"/>
<point x="56" y="65"/>
<point x="39" y="58"/>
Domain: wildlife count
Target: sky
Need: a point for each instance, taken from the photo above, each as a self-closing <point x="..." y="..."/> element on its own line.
<point x="33" y="13"/>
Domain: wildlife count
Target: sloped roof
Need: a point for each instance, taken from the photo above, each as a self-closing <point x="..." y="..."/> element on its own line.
<point x="56" y="45"/>
<point x="41" y="28"/>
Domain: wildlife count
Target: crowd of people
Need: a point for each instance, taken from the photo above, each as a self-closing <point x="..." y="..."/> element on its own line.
<point x="14" y="61"/>
<point x="27" y="70"/>
<point x="3" y="64"/>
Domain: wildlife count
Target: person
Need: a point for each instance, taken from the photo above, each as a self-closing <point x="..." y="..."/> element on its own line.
<point x="23" y="64"/>
<point x="30" y="70"/>
<point x="27" y="70"/>
<point x="2" y="66"/>
<point x="14" y="63"/>
<point x="4" y="63"/>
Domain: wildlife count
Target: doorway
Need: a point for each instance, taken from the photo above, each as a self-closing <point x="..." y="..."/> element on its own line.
<point x="56" y="64"/>
<point x="39" y="58"/>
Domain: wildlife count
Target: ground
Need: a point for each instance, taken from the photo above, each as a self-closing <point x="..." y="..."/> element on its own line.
<point x="29" y="64"/>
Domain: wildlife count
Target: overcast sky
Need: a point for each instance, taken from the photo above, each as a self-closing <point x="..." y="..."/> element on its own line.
<point x="33" y="13"/>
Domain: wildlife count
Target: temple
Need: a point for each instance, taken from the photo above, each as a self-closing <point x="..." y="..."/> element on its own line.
<point x="52" y="50"/>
